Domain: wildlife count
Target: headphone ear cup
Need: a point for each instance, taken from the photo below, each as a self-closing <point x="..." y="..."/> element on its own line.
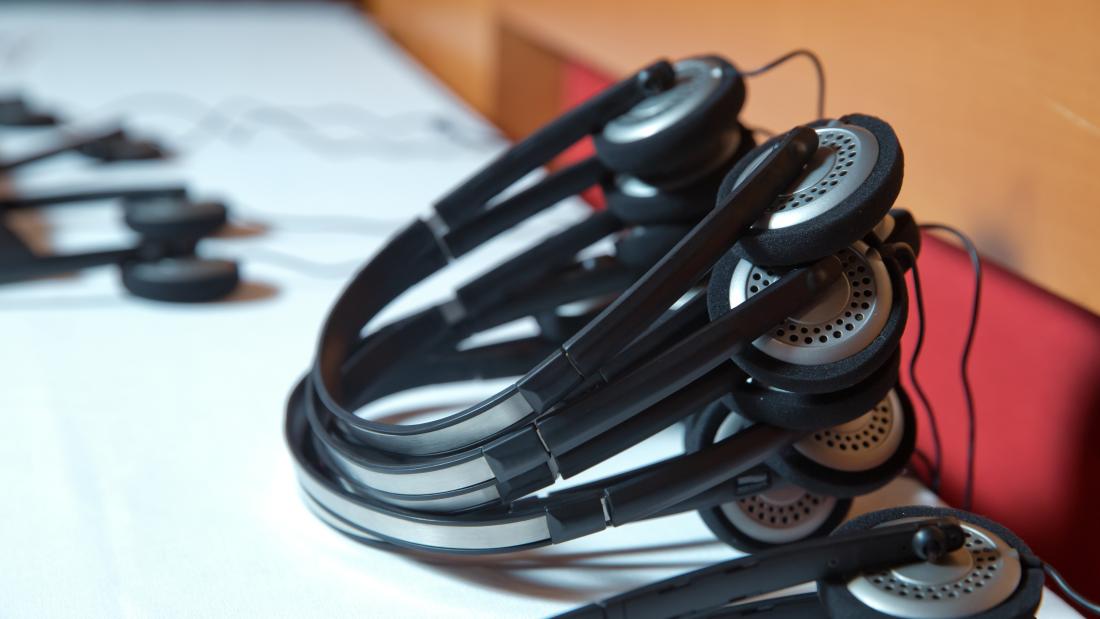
<point x="948" y="588"/>
<point x="637" y="202"/>
<point x="777" y="516"/>
<point x="181" y="280"/>
<point x="848" y="187"/>
<point x="805" y="412"/>
<point x="840" y="341"/>
<point x="173" y="218"/>
<point x="674" y="137"/>
<point x="780" y="516"/>
<point x="643" y="246"/>
<point x="853" y="458"/>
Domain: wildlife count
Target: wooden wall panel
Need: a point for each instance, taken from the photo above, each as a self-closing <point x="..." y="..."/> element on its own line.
<point x="997" y="103"/>
<point x="456" y="39"/>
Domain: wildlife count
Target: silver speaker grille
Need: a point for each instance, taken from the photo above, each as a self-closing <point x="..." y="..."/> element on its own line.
<point x="781" y="515"/>
<point x="973" y="579"/>
<point x="844" y="320"/>
<point x="861" y="444"/>
<point x="845" y="156"/>
<point x="696" y="79"/>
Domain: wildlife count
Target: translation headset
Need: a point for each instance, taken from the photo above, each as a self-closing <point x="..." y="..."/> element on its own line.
<point x="106" y="146"/>
<point x="662" y="351"/>
<point x="162" y="265"/>
<point x="16" y="112"/>
<point x="911" y="562"/>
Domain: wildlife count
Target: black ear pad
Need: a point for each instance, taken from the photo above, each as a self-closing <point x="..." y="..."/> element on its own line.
<point x="780" y="515"/>
<point x="173" y="217"/>
<point x="854" y="458"/>
<point x="642" y="246"/>
<point x="802" y="411"/>
<point x="181" y="280"/>
<point x="637" y="202"/>
<point x="840" y="601"/>
<point x="835" y="344"/>
<point x="674" y="137"/>
<point x="849" y="187"/>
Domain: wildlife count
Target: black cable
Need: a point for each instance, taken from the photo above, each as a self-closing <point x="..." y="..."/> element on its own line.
<point x="1080" y="600"/>
<point x="976" y="265"/>
<point x="935" y="472"/>
<point x="244" y="116"/>
<point x="818" y="68"/>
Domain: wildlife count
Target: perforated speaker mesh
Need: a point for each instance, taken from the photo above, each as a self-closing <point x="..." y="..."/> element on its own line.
<point x="781" y="515"/>
<point x="845" y="156"/>
<point x="975" y="578"/>
<point x="861" y="444"/>
<point x="842" y="322"/>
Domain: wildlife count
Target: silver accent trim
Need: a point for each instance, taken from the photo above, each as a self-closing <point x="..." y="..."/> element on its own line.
<point x="436" y="481"/>
<point x="696" y="79"/>
<point x="439" y="230"/>
<point x="471" y="536"/>
<point x="448" y="504"/>
<point x="436" y="224"/>
<point x="459" y="435"/>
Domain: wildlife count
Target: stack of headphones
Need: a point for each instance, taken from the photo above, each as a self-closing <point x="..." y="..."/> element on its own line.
<point x="769" y="320"/>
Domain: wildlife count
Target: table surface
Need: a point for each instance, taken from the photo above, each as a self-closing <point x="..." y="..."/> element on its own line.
<point x="144" y="467"/>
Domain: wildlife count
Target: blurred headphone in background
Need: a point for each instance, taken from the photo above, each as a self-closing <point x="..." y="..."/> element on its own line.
<point x="653" y="356"/>
<point x="164" y="263"/>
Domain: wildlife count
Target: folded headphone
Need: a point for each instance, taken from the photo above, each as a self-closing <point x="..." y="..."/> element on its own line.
<point x="164" y="264"/>
<point x="910" y="562"/>
<point x="105" y="146"/>
<point x="16" y="112"/>
<point x="801" y="228"/>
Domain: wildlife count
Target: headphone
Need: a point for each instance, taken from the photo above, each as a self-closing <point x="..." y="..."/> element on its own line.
<point x="911" y="562"/>
<point x="105" y="146"/>
<point x="660" y="352"/>
<point x="163" y="265"/>
<point x="15" y="112"/>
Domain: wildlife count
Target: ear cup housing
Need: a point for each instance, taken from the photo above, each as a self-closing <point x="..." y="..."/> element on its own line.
<point x="849" y="187"/>
<point x="637" y="202"/>
<point x="181" y="280"/>
<point x="747" y="524"/>
<point x="840" y="341"/>
<point x="673" y="138"/>
<point x="840" y="601"/>
<point x="172" y="218"/>
<point x="801" y="411"/>
<point x="856" y="457"/>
